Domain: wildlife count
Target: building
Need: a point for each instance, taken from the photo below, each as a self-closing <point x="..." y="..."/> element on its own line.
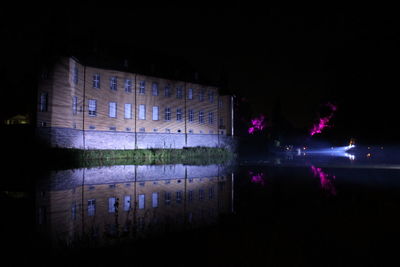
<point x="115" y="203"/>
<point x="85" y="107"/>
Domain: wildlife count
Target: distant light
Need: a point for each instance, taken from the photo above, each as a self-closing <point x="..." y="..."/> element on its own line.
<point x="369" y="155"/>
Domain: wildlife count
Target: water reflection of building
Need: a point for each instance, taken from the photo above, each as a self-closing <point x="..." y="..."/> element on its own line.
<point x="107" y="204"/>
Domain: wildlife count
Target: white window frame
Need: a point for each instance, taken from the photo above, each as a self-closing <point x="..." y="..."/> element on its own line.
<point x="96" y="81"/>
<point x="154" y="89"/>
<point x="113" y="83"/>
<point x="128" y="86"/>
<point x="142" y="112"/>
<point x="112" y="109"/>
<point x="92" y="107"/>
<point x="167" y="114"/>
<point x="142" y="87"/>
<point x="191" y="115"/>
<point x="128" y="111"/>
<point x="155" y="113"/>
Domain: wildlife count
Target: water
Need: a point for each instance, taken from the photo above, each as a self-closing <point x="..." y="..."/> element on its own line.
<point x="281" y="211"/>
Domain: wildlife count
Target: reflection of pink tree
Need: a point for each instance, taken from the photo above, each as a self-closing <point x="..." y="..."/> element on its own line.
<point x="257" y="124"/>
<point x="325" y="180"/>
<point x="257" y="178"/>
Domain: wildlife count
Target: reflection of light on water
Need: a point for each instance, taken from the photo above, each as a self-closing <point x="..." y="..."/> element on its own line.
<point x="341" y="151"/>
<point x="325" y="180"/>
<point x="257" y="178"/>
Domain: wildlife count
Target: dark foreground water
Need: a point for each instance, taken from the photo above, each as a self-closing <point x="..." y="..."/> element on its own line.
<point x="285" y="211"/>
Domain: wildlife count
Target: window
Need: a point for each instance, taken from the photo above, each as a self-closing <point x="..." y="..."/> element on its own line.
<point x="91" y="207"/>
<point x="128" y="86"/>
<point x="92" y="107"/>
<point x="142" y="112"/>
<point x="112" y="205"/>
<point x="201" y="94"/>
<point x="127" y="203"/>
<point x="74" y="105"/>
<point x="155" y="113"/>
<point x="191" y="115"/>
<point x="75" y="77"/>
<point x="167" y="114"/>
<point x="154" y="198"/>
<point x="167" y="91"/>
<point x="190" y="195"/>
<point x="179" y="92"/>
<point x="190" y="93"/>
<point x="128" y="111"/>
<point x="220" y="103"/>
<point x="96" y="81"/>
<point x="142" y="87"/>
<point x="112" y="110"/>
<point x="141" y="201"/>
<point x="154" y="89"/>
<point x="43" y="102"/>
<point x="179" y="114"/>
<point x="201" y="116"/>
<point x="210" y="117"/>
<point x="113" y="83"/>
<point x="211" y="96"/>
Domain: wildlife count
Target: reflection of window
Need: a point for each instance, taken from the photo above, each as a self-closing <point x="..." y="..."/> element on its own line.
<point x="179" y="197"/>
<point x="211" y="118"/>
<point x="91" y="207"/>
<point x="92" y="107"/>
<point x="167" y="114"/>
<point x="154" y="198"/>
<point x="127" y="203"/>
<point x="201" y="116"/>
<point x="179" y="114"/>
<point x="211" y="193"/>
<point x="73" y="211"/>
<point x="191" y="115"/>
<point x="111" y="204"/>
<point x="201" y="194"/>
<point x="190" y="93"/>
<point x="141" y="201"/>
<point x="167" y="198"/>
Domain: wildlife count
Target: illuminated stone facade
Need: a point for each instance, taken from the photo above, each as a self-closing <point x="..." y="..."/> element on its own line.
<point x="88" y="107"/>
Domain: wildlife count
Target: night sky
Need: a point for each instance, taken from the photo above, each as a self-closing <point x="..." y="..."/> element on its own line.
<point x="300" y="58"/>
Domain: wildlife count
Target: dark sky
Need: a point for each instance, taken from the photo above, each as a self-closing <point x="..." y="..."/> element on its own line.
<point x="300" y="57"/>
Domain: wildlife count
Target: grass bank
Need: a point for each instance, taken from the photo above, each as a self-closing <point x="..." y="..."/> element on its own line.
<point x="87" y="158"/>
